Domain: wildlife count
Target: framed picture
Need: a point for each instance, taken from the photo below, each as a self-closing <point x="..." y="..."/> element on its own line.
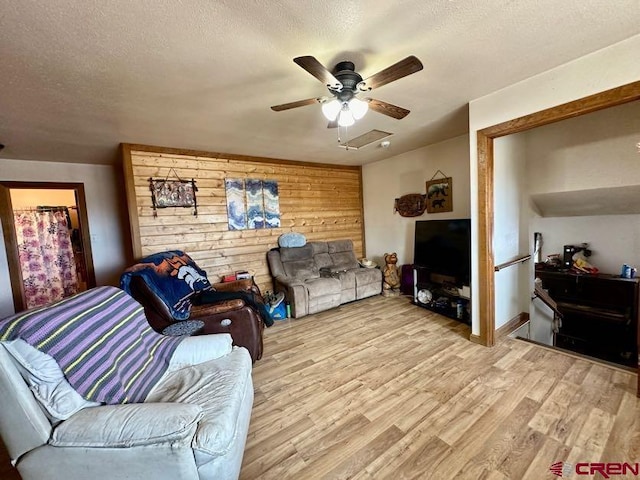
<point x="236" y="209"/>
<point x="173" y="193"/>
<point x="440" y="195"/>
<point x="252" y="203"/>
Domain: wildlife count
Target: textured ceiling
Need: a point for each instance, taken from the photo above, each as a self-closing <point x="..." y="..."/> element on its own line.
<point x="79" y="77"/>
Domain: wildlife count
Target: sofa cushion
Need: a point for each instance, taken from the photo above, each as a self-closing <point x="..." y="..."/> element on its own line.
<point x="345" y="260"/>
<point x="200" y="349"/>
<point x="298" y="262"/>
<point x="46" y="381"/>
<point x="218" y="387"/>
<point x="365" y="276"/>
<point x="342" y="254"/>
<point x="348" y="285"/>
<point x="124" y="426"/>
<point x="295" y="254"/>
<point x="301" y="269"/>
<point x="322" y="294"/>
<point x="319" y="247"/>
<point x="336" y="246"/>
<point x="368" y="282"/>
<point x="319" y="287"/>
<point x="323" y="260"/>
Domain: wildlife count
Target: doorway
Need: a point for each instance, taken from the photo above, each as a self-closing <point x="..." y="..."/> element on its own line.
<point x="61" y="209"/>
<point x="485" y="163"/>
<point x="485" y="148"/>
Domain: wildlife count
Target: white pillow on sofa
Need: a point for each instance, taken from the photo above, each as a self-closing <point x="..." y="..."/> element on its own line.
<point x="199" y="349"/>
<point x="46" y="380"/>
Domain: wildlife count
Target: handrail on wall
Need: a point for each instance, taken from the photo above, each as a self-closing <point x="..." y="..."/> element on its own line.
<point x="538" y="292"/>
<point x="515" y="261"/>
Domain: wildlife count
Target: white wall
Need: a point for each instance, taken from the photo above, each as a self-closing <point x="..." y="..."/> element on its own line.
<point x="107" y="223"/>
<point x="579" y="154"/>
<point x="592" y="151"/>
<point x="613" y="239"/>
<point x="511" y="226"/>
<point x="607" y="68"/>
<point x="386" y="180"/>
<point x="597" y="150"/>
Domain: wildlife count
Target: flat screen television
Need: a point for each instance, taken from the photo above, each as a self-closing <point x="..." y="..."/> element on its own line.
<point x="444" y="247"/>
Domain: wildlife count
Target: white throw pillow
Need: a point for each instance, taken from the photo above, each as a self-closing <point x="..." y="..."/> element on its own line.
<point x="199" y="349"/>
<point x="46" y="380"/>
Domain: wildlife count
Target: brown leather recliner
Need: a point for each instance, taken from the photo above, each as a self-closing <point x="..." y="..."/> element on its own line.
<point x="235" y="317"/>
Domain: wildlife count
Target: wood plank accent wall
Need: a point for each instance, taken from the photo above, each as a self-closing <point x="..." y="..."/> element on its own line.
<point x="321" y="201"/>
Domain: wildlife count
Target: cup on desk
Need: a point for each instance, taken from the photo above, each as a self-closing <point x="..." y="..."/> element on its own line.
<point x="628" y="271"/>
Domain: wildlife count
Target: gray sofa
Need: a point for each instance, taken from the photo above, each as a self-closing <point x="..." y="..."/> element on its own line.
<point x="321" y="275"/>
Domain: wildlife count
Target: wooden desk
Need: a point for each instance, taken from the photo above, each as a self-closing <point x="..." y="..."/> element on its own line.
<point x="600" y="314"/>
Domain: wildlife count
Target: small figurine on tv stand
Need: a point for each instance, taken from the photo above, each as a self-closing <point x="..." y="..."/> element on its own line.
<point x="391" y="283"/>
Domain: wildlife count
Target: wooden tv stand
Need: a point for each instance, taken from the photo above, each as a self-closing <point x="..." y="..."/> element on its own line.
<point x="444" y="297"/>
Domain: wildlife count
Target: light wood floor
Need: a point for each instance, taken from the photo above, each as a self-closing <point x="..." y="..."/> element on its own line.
<point x="383" y="389"/>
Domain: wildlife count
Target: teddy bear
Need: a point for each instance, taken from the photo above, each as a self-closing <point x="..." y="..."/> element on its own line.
<point x="390" y="273"/>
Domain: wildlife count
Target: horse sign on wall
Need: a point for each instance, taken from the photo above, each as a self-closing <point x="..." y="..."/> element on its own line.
<point x="440" y="195"/>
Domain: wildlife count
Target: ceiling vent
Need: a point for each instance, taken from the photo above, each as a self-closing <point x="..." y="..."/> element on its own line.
<point x="365" y="139"/>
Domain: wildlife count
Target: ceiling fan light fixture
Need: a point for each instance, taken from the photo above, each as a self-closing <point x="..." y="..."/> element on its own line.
<point x="346" y="118"/>
<point x="358" y="108"/>
<point x="331" y="109"/>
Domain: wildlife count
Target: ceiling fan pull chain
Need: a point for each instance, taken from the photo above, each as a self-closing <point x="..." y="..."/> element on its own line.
<point x="346" y="135"/>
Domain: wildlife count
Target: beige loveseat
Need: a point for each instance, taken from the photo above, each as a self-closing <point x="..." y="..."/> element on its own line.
<point x="321" y="275"/>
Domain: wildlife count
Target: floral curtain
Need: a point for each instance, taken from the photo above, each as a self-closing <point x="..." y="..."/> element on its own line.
<point x="46" y="256"/>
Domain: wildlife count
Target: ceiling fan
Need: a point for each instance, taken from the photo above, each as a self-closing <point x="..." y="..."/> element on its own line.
<point x="344" y="107"/>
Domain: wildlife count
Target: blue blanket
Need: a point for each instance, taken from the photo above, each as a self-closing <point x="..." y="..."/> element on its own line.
<point x="173" y="276"/>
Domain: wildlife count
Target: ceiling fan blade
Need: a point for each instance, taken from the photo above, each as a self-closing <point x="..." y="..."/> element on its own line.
<point x="333" y="123"/>
<point x="387" y="108"/>
<point x="315" y="68"/>
<point x="299" y="103"/>
<point x="390" y="74"/>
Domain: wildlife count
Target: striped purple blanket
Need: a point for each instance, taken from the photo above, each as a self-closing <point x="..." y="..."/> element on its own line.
<point x="101" y="341"/>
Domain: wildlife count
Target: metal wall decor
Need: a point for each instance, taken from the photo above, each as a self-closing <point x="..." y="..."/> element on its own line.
<point x="173" y="193"/>
<point x="410" y="205"/>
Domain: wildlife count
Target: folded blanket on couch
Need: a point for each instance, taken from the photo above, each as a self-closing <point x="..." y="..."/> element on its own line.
<point x="173" y="276"/>
<point x="102" y="342"/>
